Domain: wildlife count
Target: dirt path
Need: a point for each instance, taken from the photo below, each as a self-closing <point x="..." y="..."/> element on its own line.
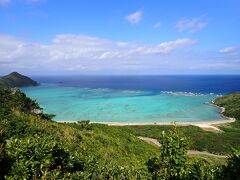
<point x="156" y="143"/>
<point x="150" y="140"/>
<point x="208" y="127"/>
<point x="206" y="153"/>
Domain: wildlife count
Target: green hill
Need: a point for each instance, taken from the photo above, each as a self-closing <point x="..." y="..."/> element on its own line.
<point x="218" y="143"/>
<point x="15" y="79"/>
<point x="102" y="145"/>
<point x="32" y="146"/>
<point x="231" y="103"/>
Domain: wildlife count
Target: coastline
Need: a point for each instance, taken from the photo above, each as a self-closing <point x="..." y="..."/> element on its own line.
<point x="206" y="125"/>
<point x="217" y="122"/>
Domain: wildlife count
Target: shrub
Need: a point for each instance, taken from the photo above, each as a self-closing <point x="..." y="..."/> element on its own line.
<point x="200" y="170"/>
<point x="232" y="169"/>
<point x="36" y="157"/>
<point x="172" y="162"/>
<point x="5" y="160"/>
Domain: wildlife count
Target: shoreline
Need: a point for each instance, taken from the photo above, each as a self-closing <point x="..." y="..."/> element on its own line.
<point x="167" y="123"/>
<point x="207" y="125"/>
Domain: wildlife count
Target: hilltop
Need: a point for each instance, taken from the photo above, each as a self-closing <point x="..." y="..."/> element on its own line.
<point x="15" y="79"/>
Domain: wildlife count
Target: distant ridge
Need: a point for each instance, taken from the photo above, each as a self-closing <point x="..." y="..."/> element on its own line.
<point x="15" y="79"/>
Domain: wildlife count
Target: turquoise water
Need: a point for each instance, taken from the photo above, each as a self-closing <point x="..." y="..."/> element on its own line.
<point x="111" y="105"/>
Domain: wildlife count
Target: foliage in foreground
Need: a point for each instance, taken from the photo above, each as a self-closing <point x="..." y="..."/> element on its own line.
<point x="45" y="158"/>
<point x="33" y="147"/>
<point x="173" y="162"/>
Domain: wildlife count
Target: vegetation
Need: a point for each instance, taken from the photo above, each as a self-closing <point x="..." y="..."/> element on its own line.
<point x="32" y="146"/>
<point x="16" y="80"/>
<point x="172" y="161"/>
<point x="204" y="140"/>
<point x="231" y="103"/>
<point x="33" y="142"/>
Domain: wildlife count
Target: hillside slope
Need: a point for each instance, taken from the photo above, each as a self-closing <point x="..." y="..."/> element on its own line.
<point x="32" y="146"/>
<point x="109" y="143"/>
<point x="231" y="103"/>
<point x="15" y="79"/>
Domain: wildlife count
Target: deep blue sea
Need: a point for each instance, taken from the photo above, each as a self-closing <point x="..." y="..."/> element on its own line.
<point x="132" y="98"/>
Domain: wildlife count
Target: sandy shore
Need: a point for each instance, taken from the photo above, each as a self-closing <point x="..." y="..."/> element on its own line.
<point x="206" y="125"/>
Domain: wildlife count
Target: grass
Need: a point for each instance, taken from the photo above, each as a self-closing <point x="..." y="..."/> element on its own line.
<point x="219" y="143"/>
<point x="109" y="143"/>
<point x="209" y="159"/>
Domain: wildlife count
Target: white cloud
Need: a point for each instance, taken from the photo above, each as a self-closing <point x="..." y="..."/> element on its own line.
<point x="167" y="47"/>
<point x="71" y="46"/>
<point x="122" y="44"/>
<point x="192" y="24"/>
<point x="135" y="17"/>
<point x="229" y="50"/>
<point x="3" y="2"/>
<point x="71" y="52"/>
<point x="157" y="25"/>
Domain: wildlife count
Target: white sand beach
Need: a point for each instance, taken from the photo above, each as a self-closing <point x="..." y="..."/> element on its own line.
<point x="206" y="125"/>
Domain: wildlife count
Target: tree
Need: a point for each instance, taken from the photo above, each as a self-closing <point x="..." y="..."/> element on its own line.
<point x="172" y="162"/>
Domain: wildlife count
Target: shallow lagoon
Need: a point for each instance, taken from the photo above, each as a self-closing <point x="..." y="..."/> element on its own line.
<point x="127" y="106"/>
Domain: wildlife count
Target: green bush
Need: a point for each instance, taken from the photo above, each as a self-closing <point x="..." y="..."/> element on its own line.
<point x="5" y="160"/>
<point x="172" y="162"/>
<point x="232" y="169"/>
<point x="37" y="157"/>
<point x="200" y="170"/>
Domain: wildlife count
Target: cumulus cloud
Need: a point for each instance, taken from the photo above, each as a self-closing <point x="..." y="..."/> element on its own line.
<point x="229" y="50"/>
<point x="80" y="52"/>
<point x="135" y="17"/>
<point x="3" y="2"/>
<point x="167" y="47"/>
<point x="192" y="24"/>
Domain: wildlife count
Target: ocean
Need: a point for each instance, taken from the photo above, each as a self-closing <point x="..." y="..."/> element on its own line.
<point x="132" y="99"/>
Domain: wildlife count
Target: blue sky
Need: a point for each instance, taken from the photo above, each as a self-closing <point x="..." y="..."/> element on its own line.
<point x="120" y="37"/>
